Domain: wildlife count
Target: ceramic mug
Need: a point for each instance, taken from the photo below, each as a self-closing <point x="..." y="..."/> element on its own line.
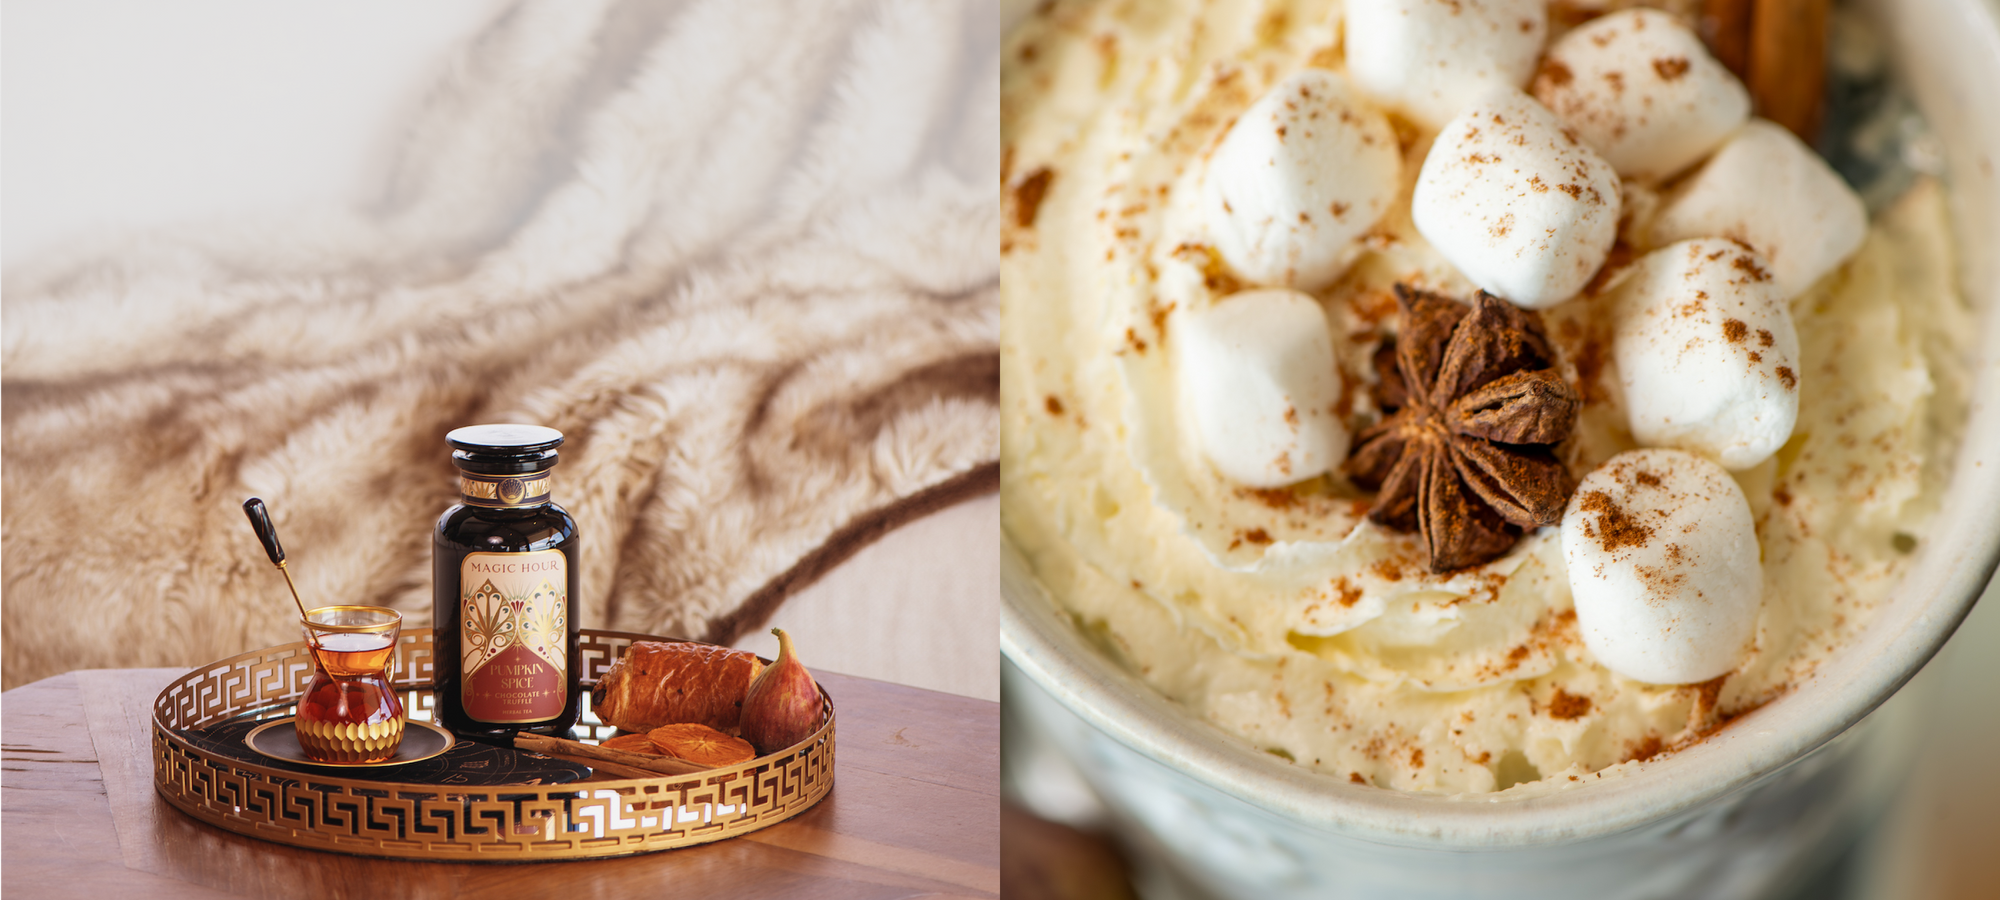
<point x="1729" y="817"/>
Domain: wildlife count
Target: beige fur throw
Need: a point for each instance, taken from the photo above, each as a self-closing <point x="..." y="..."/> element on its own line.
<point x="743" y="254"/>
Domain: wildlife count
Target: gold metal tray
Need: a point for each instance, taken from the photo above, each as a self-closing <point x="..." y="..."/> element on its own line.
<point x="509" y="822"/>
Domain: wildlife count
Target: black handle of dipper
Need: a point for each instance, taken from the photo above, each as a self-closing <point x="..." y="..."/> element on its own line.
<point x="260" y="521"/>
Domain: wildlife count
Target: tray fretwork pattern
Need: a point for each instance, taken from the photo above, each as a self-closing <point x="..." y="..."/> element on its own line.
<point x="435" y="822"/>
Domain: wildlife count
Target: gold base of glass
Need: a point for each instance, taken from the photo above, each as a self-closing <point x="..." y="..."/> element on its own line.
<point x="348" y="742"/>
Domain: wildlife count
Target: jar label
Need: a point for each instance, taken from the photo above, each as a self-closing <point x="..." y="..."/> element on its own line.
<point x="513" y="635"/>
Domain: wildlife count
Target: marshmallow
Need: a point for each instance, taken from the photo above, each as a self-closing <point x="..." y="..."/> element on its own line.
<point x="1766" y="189"/>
<point x="1299" y="178"/>
<point x="1515" y="202"/>
<point x="1641" y="90"/>
<point x="1706" y="352"/>
<point x="1428" y="59"/>
<point x="1258" y="384"/>
<point x="1663" y="565"/>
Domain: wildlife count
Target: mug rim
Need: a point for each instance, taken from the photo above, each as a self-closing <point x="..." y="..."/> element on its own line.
<point x="395" y="620"/>
<point x="1947" y="575"/>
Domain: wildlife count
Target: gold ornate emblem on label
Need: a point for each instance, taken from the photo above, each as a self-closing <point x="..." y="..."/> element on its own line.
<point x="513" y="635"/>
<point x="504" y="490"/>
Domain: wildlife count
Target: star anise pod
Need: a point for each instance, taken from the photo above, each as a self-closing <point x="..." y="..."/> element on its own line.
<point x="1467" y="459"/>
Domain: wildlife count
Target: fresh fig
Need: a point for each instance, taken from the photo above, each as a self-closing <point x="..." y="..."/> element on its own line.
<point x="782" y="706"/>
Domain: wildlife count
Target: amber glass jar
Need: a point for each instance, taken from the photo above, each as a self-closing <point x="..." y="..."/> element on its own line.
<point x="504" y="595"/>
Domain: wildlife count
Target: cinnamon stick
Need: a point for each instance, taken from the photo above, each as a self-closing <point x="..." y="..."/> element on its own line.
<point x="1725" y="26"/>
<point x="603" y="768"/>
<point x="1787" y="77"/>
<point x="591" y="754"/>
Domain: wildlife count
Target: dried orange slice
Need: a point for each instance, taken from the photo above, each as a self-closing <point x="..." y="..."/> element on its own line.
<point x="701" y="745"/>
<point x="632" y="743"/>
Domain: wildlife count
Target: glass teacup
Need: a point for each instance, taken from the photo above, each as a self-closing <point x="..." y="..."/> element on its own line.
<point x="350" y="713"/>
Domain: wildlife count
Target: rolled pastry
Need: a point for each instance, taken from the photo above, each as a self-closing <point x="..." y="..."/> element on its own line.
<point x="665" y="683"/>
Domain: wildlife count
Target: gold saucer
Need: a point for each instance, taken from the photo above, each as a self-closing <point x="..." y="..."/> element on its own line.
<point x="279" y="739"/>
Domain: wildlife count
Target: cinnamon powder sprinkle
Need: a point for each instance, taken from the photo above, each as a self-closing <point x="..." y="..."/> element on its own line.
<point x="1708" y="692"/>
<point x="1670" y="68"/>
<point x="1750" y="267"/>
<point x="1275" y="498"/>
<point x="1565" y="705"/>
<point x="1615" y="527"/>
<point x="1028" y="196"/>
<point x="1159" y="316"/>
<point x="1645" y="750"/>
<point x="1734" y="330"/>
<point x="1556" y="73"/>
<point x="1785" y="375"/>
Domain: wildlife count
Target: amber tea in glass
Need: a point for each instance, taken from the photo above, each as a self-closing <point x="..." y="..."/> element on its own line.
<point x="350" y="713"/>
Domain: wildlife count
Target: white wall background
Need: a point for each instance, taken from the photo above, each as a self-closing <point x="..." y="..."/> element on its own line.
<point x="134" y="114"/>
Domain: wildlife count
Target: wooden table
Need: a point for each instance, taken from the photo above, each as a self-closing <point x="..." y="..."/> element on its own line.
<point x="914" y="812"/>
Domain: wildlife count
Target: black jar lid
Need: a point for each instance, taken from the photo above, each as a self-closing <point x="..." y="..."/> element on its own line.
<point x="504" y="449"/>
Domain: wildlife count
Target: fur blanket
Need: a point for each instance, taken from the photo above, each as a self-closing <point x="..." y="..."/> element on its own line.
<point x="743" y="254"/>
